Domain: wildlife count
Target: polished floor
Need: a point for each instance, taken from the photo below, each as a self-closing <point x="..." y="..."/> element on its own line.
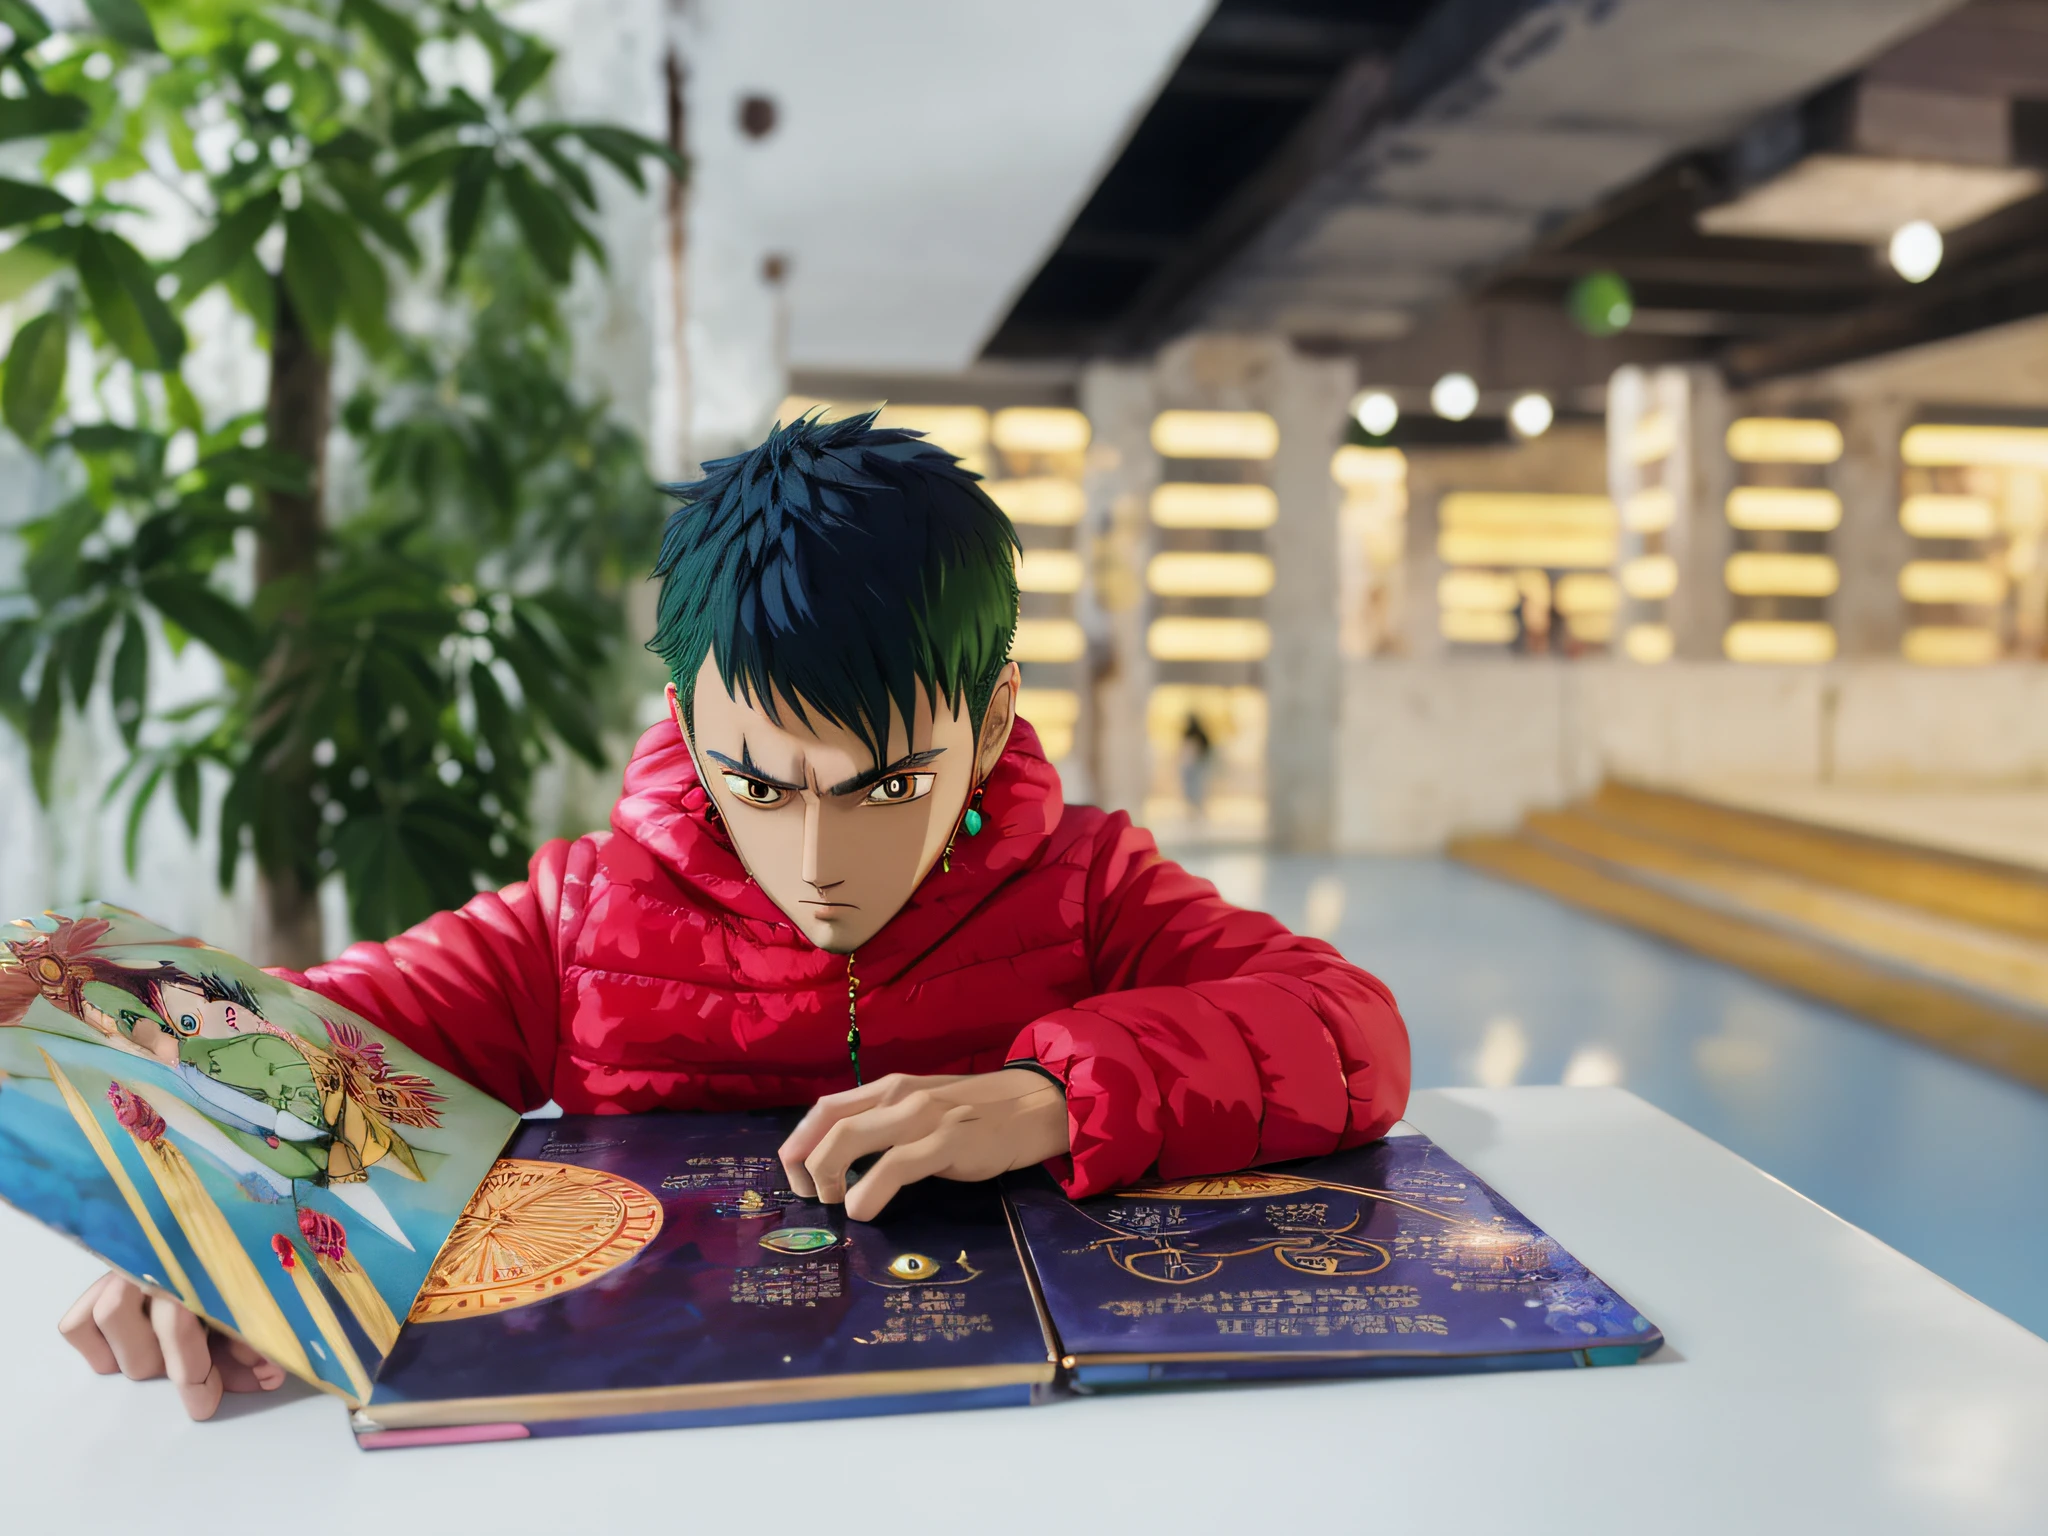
<point x="1500" y="985"/>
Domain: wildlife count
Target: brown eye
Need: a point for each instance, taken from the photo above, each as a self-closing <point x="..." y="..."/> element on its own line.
<point x="898" y="788"/>
<point x="753" y="791"/>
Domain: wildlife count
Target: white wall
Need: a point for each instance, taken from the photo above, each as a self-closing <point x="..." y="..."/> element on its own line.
<point x="1429" y="750"/>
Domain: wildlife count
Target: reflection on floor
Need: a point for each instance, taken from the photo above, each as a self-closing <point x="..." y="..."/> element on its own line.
<point x="1500" y="985"/>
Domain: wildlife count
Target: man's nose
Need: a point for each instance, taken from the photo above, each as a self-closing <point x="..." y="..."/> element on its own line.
<point x="818" y="871"/>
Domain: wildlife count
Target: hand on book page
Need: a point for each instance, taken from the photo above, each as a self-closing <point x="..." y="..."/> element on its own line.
<point x="119" y="1326"/>
<point x="968" y="1128"/>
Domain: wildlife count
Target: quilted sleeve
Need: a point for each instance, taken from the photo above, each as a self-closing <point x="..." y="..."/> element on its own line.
<point x="1216" y="1040"/>
<point x="476" y="991"/>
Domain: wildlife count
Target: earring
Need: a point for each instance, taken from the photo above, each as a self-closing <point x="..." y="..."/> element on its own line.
<point x="972" y="821"/>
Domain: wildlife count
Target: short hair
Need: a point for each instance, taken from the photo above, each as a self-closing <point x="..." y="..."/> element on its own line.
<point x="845" y="567"/>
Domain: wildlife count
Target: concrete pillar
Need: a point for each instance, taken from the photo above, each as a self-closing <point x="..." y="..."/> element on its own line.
<point x="1701" y="540"/>
<point x="1304" y="672"/>
<point x="1116" y="540"/>
<point x="1870" y="547"/>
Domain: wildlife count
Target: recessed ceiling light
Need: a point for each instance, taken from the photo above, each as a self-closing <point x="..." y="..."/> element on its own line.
<point x="1915" y="250"/>
<point x="1531" y="414"/>
<point x="1376" y="411"/>
<point x="1454" y="396"/>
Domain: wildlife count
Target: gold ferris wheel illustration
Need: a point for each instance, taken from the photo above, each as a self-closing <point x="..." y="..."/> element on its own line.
<point x="535" y="1230"/>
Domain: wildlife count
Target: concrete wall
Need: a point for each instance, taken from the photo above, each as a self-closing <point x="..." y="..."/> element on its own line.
<point x="1429" y="750"/>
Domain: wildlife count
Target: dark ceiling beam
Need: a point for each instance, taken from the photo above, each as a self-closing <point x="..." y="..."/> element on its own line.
<point x="2014" y="287"/>
<point x="1249" y="84"/>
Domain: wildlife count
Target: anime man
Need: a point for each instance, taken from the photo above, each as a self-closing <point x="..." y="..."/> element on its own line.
<point x="841" y="874"/>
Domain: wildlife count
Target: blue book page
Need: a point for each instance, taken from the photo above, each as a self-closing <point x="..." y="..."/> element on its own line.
<point x="262" y="1154"/>
<point x="644" y="1268"/>
<point x="1391" y="1253"/>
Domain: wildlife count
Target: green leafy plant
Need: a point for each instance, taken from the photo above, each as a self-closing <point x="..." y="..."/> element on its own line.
<point x="394" y="677"/>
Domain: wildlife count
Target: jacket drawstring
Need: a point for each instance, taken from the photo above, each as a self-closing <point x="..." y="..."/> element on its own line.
<point x="853" y="1020"/>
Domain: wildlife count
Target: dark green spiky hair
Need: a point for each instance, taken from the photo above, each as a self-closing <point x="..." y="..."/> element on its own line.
<point x="842" y="567"/>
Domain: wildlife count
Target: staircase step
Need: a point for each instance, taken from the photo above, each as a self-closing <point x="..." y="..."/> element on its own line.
<point x="2012" y="898"/>
<point x="2013" y="970"/>
<point x="1965" y="1021"/>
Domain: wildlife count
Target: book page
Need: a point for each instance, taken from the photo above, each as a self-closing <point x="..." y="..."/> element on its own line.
<point x="220" y="1135"/>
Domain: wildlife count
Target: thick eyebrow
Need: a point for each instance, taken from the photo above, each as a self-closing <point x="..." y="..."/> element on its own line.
<point x="873" y="776"/>
<point x="747" y="767"/>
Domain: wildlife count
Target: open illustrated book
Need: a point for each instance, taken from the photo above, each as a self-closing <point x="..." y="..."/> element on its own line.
<point x="391" y="1235"/>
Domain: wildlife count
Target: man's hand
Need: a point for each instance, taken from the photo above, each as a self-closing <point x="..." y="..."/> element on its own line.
<point x="966" y="1128"/>
<point x="118" y="1326"/>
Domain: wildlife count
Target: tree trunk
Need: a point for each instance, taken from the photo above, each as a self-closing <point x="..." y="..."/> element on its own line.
<point x="287" y="560"/>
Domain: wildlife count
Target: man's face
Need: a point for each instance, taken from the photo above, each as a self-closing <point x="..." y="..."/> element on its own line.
<point x="838" y="841"/>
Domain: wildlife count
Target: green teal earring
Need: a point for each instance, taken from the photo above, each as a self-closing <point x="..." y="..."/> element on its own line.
<point x="972" y="821"/>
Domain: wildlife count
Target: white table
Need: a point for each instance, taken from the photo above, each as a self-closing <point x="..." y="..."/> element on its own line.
<point x="1815" y="1381"/>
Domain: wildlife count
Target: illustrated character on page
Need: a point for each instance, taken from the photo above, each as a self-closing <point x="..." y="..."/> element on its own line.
<point x="322" y="1114"/>
<point x="842" y="875"/>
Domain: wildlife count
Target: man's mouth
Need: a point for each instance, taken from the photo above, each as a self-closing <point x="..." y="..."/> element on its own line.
<point x="830" y="906"/>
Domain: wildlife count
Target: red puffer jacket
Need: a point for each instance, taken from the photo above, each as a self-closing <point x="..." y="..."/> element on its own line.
<point x="641" y="969"/>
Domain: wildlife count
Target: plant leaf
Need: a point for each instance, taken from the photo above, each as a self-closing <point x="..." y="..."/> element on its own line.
<point x="35" y="117"/>
<point x="206" y="616"/>
<point x="130" y="681"/>
<point x="138" y="807"/>
<point x="124" y="299"/>
<point x="25" y="21"/>
<point x="361" y="194"/>
<point x="312" y="277"/>
<point x="185" y="786"/>
<point x="34" y="384"/>
<point x="391" y="32"/>
<point x="215" y="254"/>
<point x="544" y="220"/>
<point x="88" y="643"/>
<point x="23" y="202"/>
<point x="365" y="290"/>
<point x="44" y="716"/>
<point x="125" y="22"/>
<point x="523" y="73"/>
<point x="466" y="203"/>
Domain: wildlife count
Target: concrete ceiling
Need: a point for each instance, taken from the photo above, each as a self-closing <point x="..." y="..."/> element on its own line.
<point x="927" y="156"/>
<point x="1571" y="101"/>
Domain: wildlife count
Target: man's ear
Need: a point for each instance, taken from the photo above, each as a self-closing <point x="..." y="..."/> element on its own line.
<point x="998" y="720"/>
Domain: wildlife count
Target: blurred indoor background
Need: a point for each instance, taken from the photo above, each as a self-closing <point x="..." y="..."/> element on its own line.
<point x="1549" y="495"/>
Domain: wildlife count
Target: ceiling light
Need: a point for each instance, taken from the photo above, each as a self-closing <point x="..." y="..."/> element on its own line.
<point x="1531" y="415"/>
<point x="1376" y="411"/>
<point x="1454" y="396"/>
<point x="1915" y="250"/>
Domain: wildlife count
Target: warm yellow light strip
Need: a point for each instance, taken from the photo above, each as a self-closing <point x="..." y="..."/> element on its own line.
<point x="1972" y="582"/>
<point x="959" y="429"/>
<point x="1472" y="626"/>
<point x="1050" y="640"/>
<point x="1778" y="641"/>
<point x="1944" y="645"/>
<point x="1527" y="509"/>
<point x="1793" y="508"/>
<point x="1783" y="440"/>
<point x="1215" y="435"/>
<point x="1585" y="593"/>
<point x="1930" y="446"/>
<point x="1188" y="504"/>
<point x="1044" y="501"/>
<point x="1039" y="429"/>
<point x="1209" y="573"/>
<point x="1355" y="465"/>
<point x="1650" y="510"/>
<point x="1758" y="573"/>
<point x="1048" y="570"/>
<point x="1552" y="551"/>
<point x="1049" y="706"/>
<point x="1650" y="577"/>
<point x="1652" y="438"/>
<point x="1930" y="516"/>
<point x="1478" y="591"/>
<point x="1648" y="644"/>
<point x="1188" y="639"/>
